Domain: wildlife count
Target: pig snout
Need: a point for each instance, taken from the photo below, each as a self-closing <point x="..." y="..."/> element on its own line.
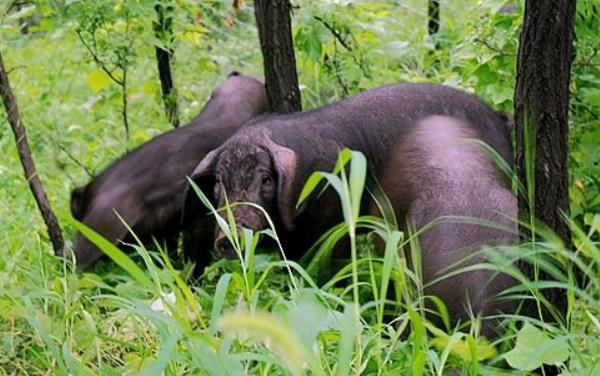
<point x="245" y="217"/>
<point x="223" y="247"/>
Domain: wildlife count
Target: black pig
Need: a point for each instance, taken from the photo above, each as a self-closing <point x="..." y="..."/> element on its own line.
<point x="269" y="161"/>
<point x="145" y="185"/>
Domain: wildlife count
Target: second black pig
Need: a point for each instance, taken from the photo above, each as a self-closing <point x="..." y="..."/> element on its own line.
<point x="144" y="187"/>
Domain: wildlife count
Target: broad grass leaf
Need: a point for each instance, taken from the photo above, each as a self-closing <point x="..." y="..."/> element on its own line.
<point x="319" y="263"/>
<point x="349" y="330"/>
<point x="75" y="367"/>
<point x="358" y="174"/>
<point x="118" y="256"/>
<point x="218" y="301"/>
<point x="166" y="354"/>
<point x="480" y="349"/>
<point x="535" y="348"/>
<point x="220" y="362"/>
<point x="316" y="177"/>
<point x="39" y="322"/>
<point x="308" y="317"/>
<point x="391" y="249"/>
<point x="309" y="187"/>
<point x="419" y="362"/>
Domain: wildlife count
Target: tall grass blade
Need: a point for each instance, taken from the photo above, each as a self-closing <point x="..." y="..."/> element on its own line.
<point x="115" y="254"/>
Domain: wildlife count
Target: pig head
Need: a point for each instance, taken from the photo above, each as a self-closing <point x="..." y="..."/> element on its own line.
<point x="265" y="176"/>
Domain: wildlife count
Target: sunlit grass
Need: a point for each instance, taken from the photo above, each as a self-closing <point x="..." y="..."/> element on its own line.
<point x="261" y="314"/>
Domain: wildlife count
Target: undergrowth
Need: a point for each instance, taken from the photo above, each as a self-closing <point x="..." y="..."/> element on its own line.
<point x="142" y="312"/>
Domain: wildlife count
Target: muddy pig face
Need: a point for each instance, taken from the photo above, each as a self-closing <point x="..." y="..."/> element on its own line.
<point x="260" y="173"/>
<point x="244" y="174"/>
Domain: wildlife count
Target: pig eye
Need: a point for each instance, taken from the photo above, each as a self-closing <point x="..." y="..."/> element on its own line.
<point x="267" y="180"/>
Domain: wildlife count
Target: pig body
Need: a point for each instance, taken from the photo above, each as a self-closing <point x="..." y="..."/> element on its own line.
<point x="440" y="180"/>
<point x="294" y="146"/>
<point x="268" y="162"/>
<point x="145" y="186"/>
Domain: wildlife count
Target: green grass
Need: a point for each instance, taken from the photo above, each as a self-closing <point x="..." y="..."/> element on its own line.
<point x="142" y="313"/>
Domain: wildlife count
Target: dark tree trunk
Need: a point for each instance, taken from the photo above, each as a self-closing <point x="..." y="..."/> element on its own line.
<point x="273" y="19"/>
<point x="433" y="23"/>
<point x="163" y="29"/>
<point x="541" y="111"/>
<point x="31" y="176"/>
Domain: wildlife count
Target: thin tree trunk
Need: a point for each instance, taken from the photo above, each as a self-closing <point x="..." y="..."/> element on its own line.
<point x="27" y="162"/>
<point x="541" y="112"/>
<point x="433" y="23"/>
<point x="163" y="29"/>
<point x="273" y="19"/>
<point x="124" y="104"/>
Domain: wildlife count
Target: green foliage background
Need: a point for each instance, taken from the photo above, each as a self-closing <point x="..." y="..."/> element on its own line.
<point x="54" y="320"/>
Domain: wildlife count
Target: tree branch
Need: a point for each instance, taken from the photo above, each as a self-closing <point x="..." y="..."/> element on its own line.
<point x="163" y="30"/>
<point x="492" y="48"/>
<point x="433" y="22"/>
<point x="97" y="59"/>
<point x="35" y="184"/>
<point x="348" y="46"/>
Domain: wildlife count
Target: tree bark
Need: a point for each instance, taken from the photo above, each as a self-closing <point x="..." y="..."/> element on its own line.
<point x="541" y="120"/>
<point x="433" y="23"/>
<point x="273" y="19"/>
<point x="27" y="162"/>
<point x="163" y="30"/>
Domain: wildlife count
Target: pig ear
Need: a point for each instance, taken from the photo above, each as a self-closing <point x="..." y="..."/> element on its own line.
<point x="77" y="203"/>
<point x="203" y="177"/>
<point x="286" y="165"/>
<point x="206" y="165"/>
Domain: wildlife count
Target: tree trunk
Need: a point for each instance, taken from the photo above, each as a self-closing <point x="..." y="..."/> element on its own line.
<point x="31" y="176"/>
<point x="273" y="19"/>
<point x="163" y="30"/>
<point x="541" y="111"/>
<point x="433" y="23"/>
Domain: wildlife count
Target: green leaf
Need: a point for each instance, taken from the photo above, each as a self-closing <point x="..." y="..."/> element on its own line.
<point x="221" y="362"/>
<point x="26" y="11"/>
<point x="158" y="366"/>
<point x="118" y="256"/>
<point x="308" y="317"/>
<point x="534" y="348"/>
<point x="468" y="350"/>
<point x="309" y="187"/>
<point x="499" y="93"/>
<point x="349" y="329"/>
<point x="358" y="175"/>
<point x="97" y="80"/>
<point x="219" y="301"/>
